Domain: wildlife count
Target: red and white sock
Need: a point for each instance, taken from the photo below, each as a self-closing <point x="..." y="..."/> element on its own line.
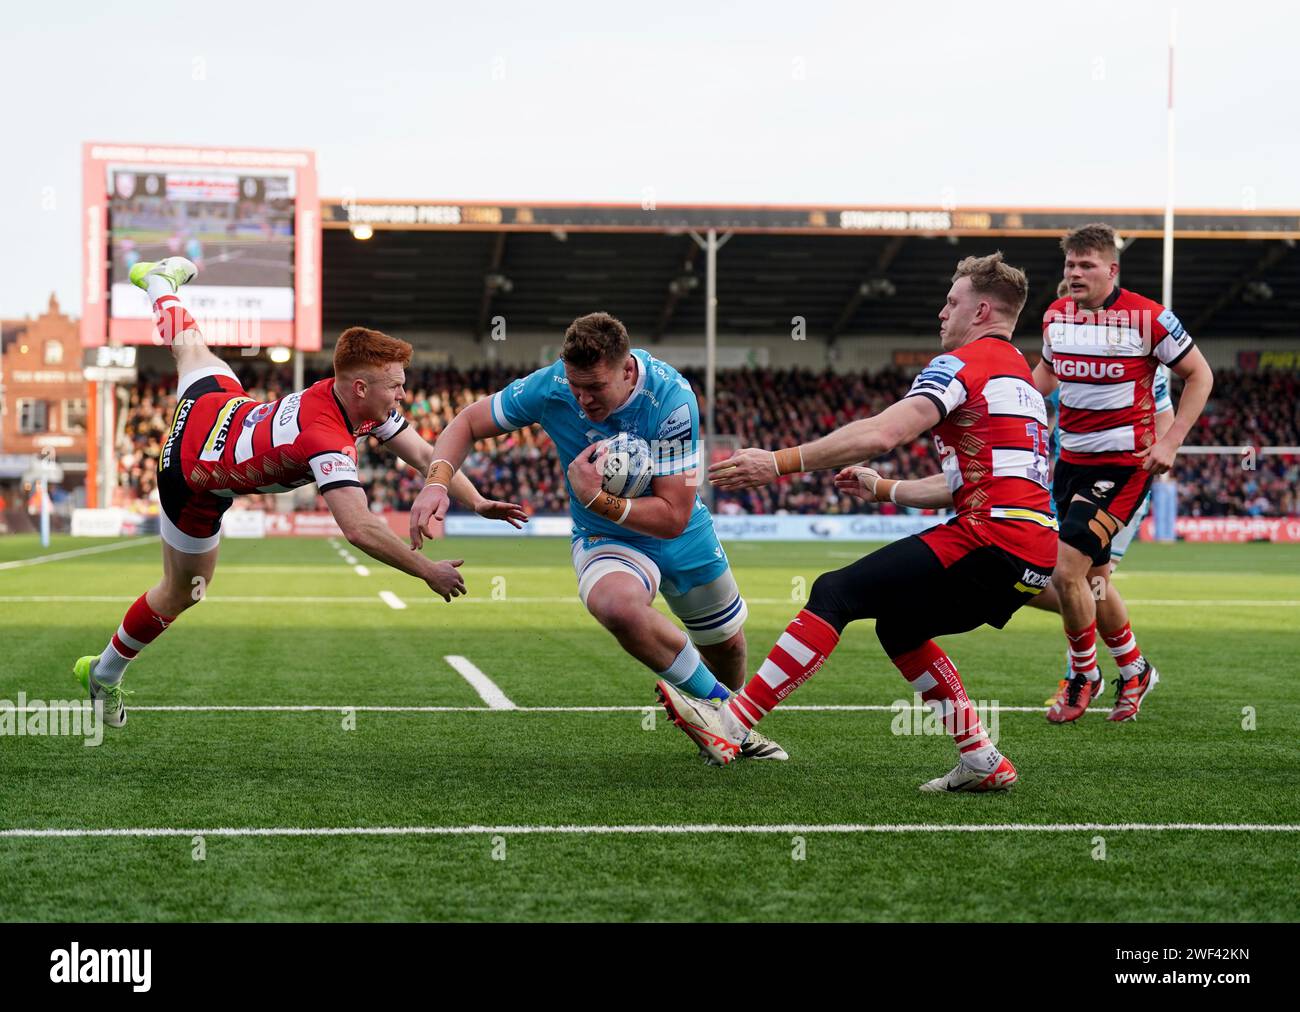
<point x="1124" y="648"/>
<point x="169" y="314"/>
<point x="932" y="674"/>
<point x="801" y="650"/>
<point x="1083" y="652"/>
<point x="140" y="626"/>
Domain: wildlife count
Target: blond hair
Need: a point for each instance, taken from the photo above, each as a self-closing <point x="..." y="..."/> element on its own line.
<point x="997" y="279"/>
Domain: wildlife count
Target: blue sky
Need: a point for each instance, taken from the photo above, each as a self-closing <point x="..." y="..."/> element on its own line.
<point x="1022" y="104"/>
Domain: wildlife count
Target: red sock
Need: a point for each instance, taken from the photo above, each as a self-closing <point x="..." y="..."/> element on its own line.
<point x="801" y="650"/>
<point x="140" y="626"/>
<point x="1124" y="648"/>
<point x="171" y="318"/>
<point x="1083" y="652"/>
<point x="932" y="674"/>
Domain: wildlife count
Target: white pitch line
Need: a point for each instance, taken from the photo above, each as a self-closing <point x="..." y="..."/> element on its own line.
<point x="256" y="599"/>
<point x="320" y="708"/>
<point x="288" y="599"/>
<point x="487" y="689"/>
<point x="317" y="569"/>
<point x="77" y="552"/>
<point x="787" y="829"/>
<point x="1153" y="602"/>
<point x="392" y="600"/>
<point x="351" y="560"/>
<point x="1250" y="602"/>
<point x="361" y="570"/>
<point x="1210" y="602"/>
<point x="1176" y="573"/>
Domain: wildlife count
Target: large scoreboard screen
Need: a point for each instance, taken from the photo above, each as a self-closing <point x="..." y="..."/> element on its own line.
<point x="238" y="230"/>
<point x="240" y="222"/>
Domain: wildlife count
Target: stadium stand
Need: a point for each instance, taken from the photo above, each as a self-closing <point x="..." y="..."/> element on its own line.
<point x="843" y="286"/>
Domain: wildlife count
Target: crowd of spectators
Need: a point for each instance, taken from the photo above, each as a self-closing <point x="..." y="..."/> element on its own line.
<point x="1247" y="410"/>
<point x="757" y="407"/>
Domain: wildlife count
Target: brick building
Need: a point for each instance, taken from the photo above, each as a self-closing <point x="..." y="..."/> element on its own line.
<point x="43" y="395"/>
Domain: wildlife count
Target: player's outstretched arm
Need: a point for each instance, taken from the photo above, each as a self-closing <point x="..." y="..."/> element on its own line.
<point x="410" y="447"/>
<point x="867" y="484"/>
<point x="367" y="532"/>
<point x="864" y="439"/>
<point x="449" y="452"/>
<point x="1198" y="381"/>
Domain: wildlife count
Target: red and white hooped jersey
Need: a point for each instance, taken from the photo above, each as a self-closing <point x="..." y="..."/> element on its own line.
<point x="235" y="446"/>
<point x="1106" y="361"/>
<point x="992" y="440"/>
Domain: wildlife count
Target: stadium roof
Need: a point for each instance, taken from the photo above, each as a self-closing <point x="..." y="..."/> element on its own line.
<point x="846" y="271"/>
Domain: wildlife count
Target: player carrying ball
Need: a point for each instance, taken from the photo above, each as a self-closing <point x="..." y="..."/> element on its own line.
<point x="223" y="444"/>
<point x="625" y="551"/>
<point x="990" y="430"/>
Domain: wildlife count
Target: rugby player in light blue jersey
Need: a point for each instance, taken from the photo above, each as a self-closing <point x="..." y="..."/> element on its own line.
<point x="1119" y="544"/>
<point x="624" y="550"/>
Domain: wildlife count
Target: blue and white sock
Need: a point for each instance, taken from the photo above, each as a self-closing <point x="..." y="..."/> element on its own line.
<point x="690" y="674"/>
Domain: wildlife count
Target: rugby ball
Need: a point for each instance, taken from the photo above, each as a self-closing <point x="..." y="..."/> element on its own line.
<point x="629" y="468"/>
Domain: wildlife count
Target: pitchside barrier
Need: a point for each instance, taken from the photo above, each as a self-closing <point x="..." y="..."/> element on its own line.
<point x="239" y="523"/>
<point x="807" y="527"/>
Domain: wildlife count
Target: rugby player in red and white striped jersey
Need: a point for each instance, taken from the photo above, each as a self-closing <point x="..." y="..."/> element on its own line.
<point x="1102" y="345"/>
<point x="223" y="444"/>
<point x="990" y="430"/>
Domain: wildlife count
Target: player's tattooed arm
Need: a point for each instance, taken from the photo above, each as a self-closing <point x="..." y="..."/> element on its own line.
<point x="864" y="439"/>
<point x="663" y="512"/>
<point x="666" y="512"/>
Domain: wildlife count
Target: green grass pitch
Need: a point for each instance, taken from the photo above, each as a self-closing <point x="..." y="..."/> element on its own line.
<point x="290" y="623"/>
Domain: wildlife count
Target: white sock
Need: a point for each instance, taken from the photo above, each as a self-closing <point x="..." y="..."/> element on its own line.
<point x="110" y="666"/>
<point x="157" y="286"/>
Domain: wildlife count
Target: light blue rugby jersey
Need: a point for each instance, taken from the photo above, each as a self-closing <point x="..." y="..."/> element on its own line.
<point x="662" y="410"/>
